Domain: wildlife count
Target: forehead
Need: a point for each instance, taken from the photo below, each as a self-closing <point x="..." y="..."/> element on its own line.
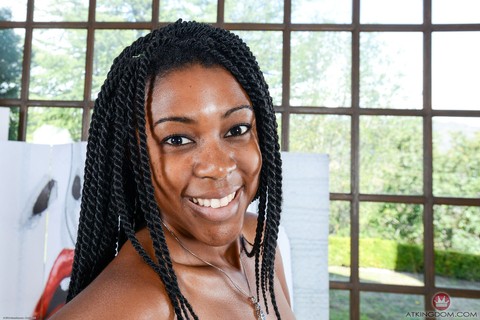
<point x="196" y="88"/>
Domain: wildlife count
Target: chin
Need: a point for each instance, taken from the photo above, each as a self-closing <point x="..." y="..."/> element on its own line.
<point x="223" y="234"/>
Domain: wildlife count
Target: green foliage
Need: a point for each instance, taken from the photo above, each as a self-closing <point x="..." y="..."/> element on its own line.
<point x="66" y="118"/>
<point x="198" y="10"/>
<point x="457" y="265"/>
<point x="10" y="70"/>
<point x="267" y="48"/>
<point x="108" y="45"/>
<point x="339" y="218"/>
<point x="320" y="69"/>
<point x="390" y="147"/>
<point x="254" y="11"/>
<point x="61" y="10"/>
<point x="391" y="155"/>
<point x="13" y="127"/>
<point x="392" y="255"/>
<point x="10" y="60"/>
<point x="120" y="10"/>
<point x="455" y="165"/>
<point x="387" y="306"/>
<point x="58" y="64"/>
<point x="339" y="304"/>
<point x="339" y="251"/>
<point x="393" y="221"/>
<point x="457" y="228"/>
<point x="325" y="134"/>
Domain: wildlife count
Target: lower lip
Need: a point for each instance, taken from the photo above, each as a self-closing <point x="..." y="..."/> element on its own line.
<point x="217" y="214"/>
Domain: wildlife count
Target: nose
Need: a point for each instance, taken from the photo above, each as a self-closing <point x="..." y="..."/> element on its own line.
<point x="214" y="161"/>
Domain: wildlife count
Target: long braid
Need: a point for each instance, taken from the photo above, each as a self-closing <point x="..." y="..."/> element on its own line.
<point x="150" y="207"/>
<point x="117" y="149"/>
<point x="271" y="166"/>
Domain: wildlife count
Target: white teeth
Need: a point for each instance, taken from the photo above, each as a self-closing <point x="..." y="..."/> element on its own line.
<point x="214" y="203"/>
<point x="224" y="201"/>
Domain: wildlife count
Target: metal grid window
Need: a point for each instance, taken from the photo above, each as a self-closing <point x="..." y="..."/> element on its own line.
<point x="387" y="88"/>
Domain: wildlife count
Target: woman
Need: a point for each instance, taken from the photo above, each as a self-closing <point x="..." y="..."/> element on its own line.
<point x="183" y="138"/>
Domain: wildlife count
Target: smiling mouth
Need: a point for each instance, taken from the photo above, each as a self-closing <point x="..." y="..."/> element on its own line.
<point x="214" y="203"/>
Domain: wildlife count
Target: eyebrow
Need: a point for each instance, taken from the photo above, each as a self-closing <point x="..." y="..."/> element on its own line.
<point x="229" y="112"/>
<point x="189" y="120"/>
<point x="175" y="119"/>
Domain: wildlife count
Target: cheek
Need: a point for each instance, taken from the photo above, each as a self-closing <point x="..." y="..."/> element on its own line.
<point x="169" y="174"/>
<point x="252" y="160"/>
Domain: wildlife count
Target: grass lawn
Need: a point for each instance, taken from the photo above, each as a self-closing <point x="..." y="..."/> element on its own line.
<point x="374" y="305"/>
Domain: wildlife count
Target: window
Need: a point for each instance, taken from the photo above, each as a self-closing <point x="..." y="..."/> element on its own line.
<point x="387" y="88"/>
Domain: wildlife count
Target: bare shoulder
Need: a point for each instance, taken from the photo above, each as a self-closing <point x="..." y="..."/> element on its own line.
<point x="127" y="289"/>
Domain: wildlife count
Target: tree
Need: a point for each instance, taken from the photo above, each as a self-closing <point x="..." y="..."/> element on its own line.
<point x="10" y="69"/>
<point x="391" y="147"/>
<point x="455" y="173"/>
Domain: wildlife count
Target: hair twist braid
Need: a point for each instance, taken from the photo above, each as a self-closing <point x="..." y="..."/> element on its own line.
<point x="117" y="183"/>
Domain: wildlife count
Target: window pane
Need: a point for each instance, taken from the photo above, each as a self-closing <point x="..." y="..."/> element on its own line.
<point x="457" y="246"/>
<point x="455" y="69"/>
<point x="58" y="64"/>
<point x="61" y="10"/>
<point x="455" y="11"/>
<point x="108" y="45"/>
<point x="13" y="10"/>
<point x="198" y="10"/>
<point x="328" y="134"/>
<point x="339" y="241"/>
<point x="465" y="305"/>
<point x="321" y="11"/>
<point x="278" y="116"/>
<point x="456" y="157"/>
<point x="9" y="118"/>
<point x="49" y="125"/>
<point x="11" y="53"/>
<point x="391" y="70"/>
<point x="391" y="243"/>
<point x="320" y="69"/>
<point x="391" y="155"/>
<point x="391" y="11"/>
<point x="139" y="10"/>
<point x="381" y="305"/>
<point x="339" y="304"/>
<point x="267" y="48"/>
<point x="254" y="11"/>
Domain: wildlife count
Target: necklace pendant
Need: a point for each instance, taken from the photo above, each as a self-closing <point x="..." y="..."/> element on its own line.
<point x="258" y="309"/>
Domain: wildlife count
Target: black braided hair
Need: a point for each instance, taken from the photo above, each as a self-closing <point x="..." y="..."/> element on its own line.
<point x="118" y="195"/>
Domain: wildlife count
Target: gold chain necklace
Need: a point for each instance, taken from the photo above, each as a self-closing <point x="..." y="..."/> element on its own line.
<point x="258" y="310"/>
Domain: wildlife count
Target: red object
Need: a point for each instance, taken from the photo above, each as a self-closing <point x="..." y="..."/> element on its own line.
<point x="53" y="296"/>
<point x="441" y="301"/>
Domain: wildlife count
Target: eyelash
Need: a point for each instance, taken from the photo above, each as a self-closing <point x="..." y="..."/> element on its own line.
<point x="168" y="140"/>
<point x="246" y="125"/>
<point x="173" y="136"/>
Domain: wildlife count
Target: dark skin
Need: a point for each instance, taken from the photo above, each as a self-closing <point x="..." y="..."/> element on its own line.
<point x="205" y="159"/>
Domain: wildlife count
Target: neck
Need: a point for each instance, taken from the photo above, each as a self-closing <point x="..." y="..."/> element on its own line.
<point x="189" y="251"/>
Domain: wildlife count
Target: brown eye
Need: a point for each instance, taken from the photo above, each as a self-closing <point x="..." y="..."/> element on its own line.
<point x="238" y="130"/>
<point x="177" y="140"/>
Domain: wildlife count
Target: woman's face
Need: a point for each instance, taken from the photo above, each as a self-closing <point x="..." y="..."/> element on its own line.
<point x="204" y="153"/>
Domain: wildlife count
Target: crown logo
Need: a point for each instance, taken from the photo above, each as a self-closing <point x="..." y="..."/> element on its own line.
<point x="441" y="301"/>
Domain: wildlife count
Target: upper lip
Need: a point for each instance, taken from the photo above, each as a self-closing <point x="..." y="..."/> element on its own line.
<point x="214" y="194"/>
